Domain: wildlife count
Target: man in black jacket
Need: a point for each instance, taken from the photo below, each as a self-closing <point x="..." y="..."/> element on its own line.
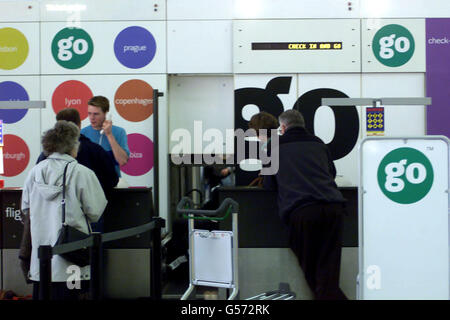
<point x="94" y="157"/>
<point x="310" y="203"/>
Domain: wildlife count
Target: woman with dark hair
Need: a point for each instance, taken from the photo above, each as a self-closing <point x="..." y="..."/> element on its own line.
<point x="263" y="122"/>
<point x="41" y="204"/>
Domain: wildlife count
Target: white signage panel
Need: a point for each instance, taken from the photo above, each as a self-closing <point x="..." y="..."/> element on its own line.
<point x="19" y="48"/>
<point x="403" y="218"/>
<point x="393" y="45"/>
<point x="208" y="49"/>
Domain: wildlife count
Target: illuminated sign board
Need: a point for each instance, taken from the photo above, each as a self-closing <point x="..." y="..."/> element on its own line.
<point x="296" y="45"/>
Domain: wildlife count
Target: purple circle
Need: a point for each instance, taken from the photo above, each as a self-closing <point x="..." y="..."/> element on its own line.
<point x="141" y="155"/>
<point x="12" y="91"/>
<point x="135" y="47"/>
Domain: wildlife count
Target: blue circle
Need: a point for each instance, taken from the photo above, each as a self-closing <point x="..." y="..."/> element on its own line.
<point x="135" y="47"/>
<point x="12" y="91"/>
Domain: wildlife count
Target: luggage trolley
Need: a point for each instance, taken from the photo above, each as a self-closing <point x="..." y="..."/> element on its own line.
<point x="213" y="255"/>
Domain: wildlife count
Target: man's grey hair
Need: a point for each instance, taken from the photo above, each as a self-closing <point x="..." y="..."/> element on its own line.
<point x="62" y="138"/>
<point x="292" y="118"/>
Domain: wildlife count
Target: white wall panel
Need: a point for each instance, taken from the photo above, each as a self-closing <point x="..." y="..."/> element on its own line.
<point x="347" y="167"/>
<point x="108" y="89"/>
<point x="199" y="9"/>
<point x="294" y="9"/>
<point x="208" y="99"/>
<point x="404" y="9"/>
<point x="400" y="121"/>
<point x="199" y="47"/>
<point x="100" y="10"/>
<point x="27" y="129"/>
<point x="20" y="11"/>
<point x="248" y="32"/>
<point x="404" y="248"/>
<point x="31" y="33"/>
<point x="369" y="29"/>
<point x="103" y="59"/>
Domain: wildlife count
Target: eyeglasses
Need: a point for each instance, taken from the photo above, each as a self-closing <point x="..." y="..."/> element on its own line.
<point x="279" y="131"/>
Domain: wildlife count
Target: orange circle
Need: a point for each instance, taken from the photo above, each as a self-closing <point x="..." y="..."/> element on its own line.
<point x="134" y="100"/>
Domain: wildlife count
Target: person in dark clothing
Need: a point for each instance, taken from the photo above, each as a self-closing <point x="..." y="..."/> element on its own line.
<point x="94" y="157"/>
<point x="310" y="203"/>
<point x="265" y="122"/>
<point x="90" y="154"/>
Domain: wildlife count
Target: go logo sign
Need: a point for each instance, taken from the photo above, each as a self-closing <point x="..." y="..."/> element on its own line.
<point x="393" y="45"/>
<point x="405" y="175"/>
<point x="72" y="48"/>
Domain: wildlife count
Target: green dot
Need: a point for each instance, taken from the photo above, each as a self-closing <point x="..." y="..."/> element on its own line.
<point x="393" y="45"/>
<point x="405" y="175"/>
<point x="72" y="48"/>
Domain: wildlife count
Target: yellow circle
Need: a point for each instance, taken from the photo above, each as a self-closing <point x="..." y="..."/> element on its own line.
<point x="13" y="48"/>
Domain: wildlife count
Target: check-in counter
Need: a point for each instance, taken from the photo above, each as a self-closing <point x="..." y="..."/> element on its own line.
<point x="127" y="208"/>
<point x="260" y="225"/>
<point x="264" y="255"/>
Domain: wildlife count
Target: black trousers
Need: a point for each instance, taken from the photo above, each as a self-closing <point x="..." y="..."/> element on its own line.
<point x="315" y="236"/>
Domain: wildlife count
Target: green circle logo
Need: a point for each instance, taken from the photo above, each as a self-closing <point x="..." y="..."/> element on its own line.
<point x="405" y="175"/>
<point x="393" y="45"/>
<point x="13" y="48"/>
<point x="72" y="48"/>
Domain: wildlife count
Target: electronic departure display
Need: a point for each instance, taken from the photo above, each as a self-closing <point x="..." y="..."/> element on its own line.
<point x="296" y="45"/>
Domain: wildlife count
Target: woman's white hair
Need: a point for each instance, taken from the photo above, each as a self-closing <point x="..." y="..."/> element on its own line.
<point x="292" y="118"/>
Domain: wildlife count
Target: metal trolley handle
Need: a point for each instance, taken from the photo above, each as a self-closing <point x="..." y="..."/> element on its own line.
<point x="184" y="209"/>
<point x="185" y="205"/>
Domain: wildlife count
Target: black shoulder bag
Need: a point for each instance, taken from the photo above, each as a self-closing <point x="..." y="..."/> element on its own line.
<point x="70" y="234"/>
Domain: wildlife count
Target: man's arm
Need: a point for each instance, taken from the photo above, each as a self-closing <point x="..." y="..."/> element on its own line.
<point x="120" y="154"/>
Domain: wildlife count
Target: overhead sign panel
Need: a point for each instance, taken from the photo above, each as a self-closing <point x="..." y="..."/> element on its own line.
<point x="287" y="46"/>
<point x="393" y="45"/>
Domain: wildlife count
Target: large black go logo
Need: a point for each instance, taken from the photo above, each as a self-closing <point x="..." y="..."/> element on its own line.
<point x="346" y="117"/>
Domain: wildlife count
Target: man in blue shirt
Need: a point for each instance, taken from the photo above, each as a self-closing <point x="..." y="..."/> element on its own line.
<point x="112" y="138"/>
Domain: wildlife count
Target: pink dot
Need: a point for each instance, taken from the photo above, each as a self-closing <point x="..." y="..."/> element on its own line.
<point x="141" y="155"/>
